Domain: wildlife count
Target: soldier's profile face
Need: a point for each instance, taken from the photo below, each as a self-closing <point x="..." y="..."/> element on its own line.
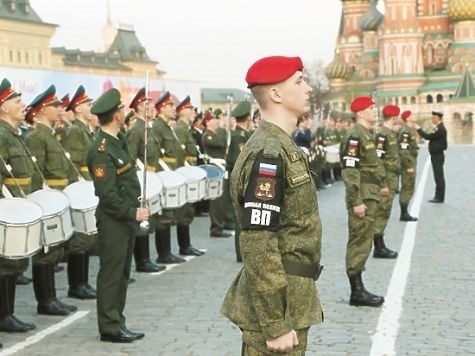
<point x="15" y="108"/>
<point x="296" y="94"/>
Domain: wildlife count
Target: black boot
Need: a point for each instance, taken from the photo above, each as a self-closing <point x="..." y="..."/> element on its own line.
<point x="11" y="300"/>
<point x="22" y="280"/>
<point x="163" y="244"/>
<point x="52" y="291"/>
<point x="360" y="296"/>
<point x="85" y="275"/>
<point x="142" y="256"/>
<point x="380" y="249"/>
<point x="8" y="322"/>
<point x="42" y="283"/>
<point x="405" y="216"/>
<point x="184" y="241"/>
<point x="77" y="287"/>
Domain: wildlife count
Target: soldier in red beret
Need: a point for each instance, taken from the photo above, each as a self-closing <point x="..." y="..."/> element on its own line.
<point x="408" y="151"/>
<point x="365" y="184"/>
<point x="274" y="299"/>
<point x="388" y="153"/>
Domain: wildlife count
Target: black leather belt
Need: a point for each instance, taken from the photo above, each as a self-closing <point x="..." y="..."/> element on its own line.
<point x="300" y="269"/>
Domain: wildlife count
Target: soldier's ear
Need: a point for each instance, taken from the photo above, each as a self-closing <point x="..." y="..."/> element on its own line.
<point x="274" y="94"/>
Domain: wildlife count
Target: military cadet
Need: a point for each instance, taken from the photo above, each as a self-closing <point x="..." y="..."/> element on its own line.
<point x="184" y="215"/>
<point x="136" y="142"/>
<point x="388" y="153"/>
<point x="256" y="119"/>
<point x="273" y="299"/>
<point x="13" y="153"/>
<point x="408" y="150"/>
<point x="437" y="146"/>
<point x="214" y="143"/>
<point x="65" y="119"/>
<point x="202" y="206"/>
<point x="76" y="143"/>
<point x="173" y="156"/>
<point x="364" y="183"/>
<point x="239" y="137"/>
<point x="118" y="215"/>
<point x="52" y="169"/>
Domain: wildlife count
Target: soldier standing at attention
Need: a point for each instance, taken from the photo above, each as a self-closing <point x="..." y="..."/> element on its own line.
<point x="76" y="143"/>
<point x="364" y="183"/>
<point x="388" y="153"/>
<point x="54" y="167"/>
<point x="408" y="150"/>
<point x="118" y="213"/>
<point x="136" y="142"/>
<point x="239" y="137"/>
<point x="173" y="156"/>
<point x="274" y="299"/>
<point x="13" y="153"/>
<point x="437" y="146"/>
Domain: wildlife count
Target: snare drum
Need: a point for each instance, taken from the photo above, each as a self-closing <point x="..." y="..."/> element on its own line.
<point x="214" y="181"/>
<point x="57" y="223"/>
<point x="20" y="226"/>
<point x="154" y="191"/>
<point x="195" y="178"/>
<point x="332" y="153"/>
<point x="174" y="189"/>
<point x="83" y="203"/>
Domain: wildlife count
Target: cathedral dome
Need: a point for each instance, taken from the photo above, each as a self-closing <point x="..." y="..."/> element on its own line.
<point x="338" y="68"/>
<point x="461" y="10"/>
<point x="372" y="18"/>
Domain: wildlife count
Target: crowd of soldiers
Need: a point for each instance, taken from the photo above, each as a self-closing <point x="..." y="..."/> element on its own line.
<point x="45" y="145"/>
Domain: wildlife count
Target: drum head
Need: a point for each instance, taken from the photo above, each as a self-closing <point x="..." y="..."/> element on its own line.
<point x="19" y="211"/>
<point x="171" y="179"/>
<point x="212" y="172"/>
<point x="51" y="200"/>
<point x="192" y="172"/>
<point x="154" y="184"/>
<point x="81" y="195"/>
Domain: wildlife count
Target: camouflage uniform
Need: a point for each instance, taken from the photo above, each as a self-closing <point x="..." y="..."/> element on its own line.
<point x="275" y="200"/>
<point x="363" y="177"/>
<point x="408" y="150"/>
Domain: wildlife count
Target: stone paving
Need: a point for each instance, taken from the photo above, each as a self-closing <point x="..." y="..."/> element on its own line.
<point x="179" y="309"/>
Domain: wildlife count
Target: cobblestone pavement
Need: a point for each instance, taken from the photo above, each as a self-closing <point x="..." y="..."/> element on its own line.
<point x="179" y="309"/>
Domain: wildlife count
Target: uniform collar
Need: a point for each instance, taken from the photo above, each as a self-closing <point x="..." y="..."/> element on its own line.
<point x="6" y="126"/>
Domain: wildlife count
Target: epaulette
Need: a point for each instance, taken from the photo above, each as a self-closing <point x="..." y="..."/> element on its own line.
<point x="271" y="148"/>
<point x="102" y="146"/>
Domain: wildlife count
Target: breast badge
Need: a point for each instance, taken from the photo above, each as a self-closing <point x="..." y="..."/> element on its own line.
<point x="99" y="171"/>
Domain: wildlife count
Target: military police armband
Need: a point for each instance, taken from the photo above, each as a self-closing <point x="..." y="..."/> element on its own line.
<point x="381" y="146"/>
<point x="263" y="196"/>
<point x="351" y="153"/>
<point x="405" y="141"/>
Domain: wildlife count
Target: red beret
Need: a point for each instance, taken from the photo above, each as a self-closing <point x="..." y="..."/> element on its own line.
<point x="391" y="110"/>
<point x="360" y="103"/>
<point x="271" y="70"/>
<point x="406" y="114"/>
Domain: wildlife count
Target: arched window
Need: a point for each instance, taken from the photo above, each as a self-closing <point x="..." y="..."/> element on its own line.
<point x="413" y="99"/>
<point x="440" y="98"/>
<point x="404" y="100"/>
<point x="430" y="100"/>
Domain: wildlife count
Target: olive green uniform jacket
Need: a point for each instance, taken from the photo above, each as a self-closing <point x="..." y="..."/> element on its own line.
<point x="14" y="153"/>
<point x="280" y="222"/>
<point x="136" y="139"/>
<point x="172" y="152"/>
<point x="182" y="131"/>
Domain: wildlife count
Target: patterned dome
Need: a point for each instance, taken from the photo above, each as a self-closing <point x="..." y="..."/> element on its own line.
<point x="462" y="10"/>
<point x="338" y="68"/>
<point x="372" y="18"/>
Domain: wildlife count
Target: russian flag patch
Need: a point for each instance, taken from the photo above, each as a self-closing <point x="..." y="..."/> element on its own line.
<point x="267" y="169"/>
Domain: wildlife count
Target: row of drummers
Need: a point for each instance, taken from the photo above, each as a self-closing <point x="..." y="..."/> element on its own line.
<point x="49" y="217"/>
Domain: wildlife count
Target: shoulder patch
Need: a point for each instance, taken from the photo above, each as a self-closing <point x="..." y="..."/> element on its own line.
<point x="351" y="153"/>
<point x="99" y="171"/>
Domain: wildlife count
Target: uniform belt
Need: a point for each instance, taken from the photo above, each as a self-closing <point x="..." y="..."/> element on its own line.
<point x="169" y="159"/>
<point x="191" y="159"/>
<point x="84" y="169"/>
<point x="150" y="168"/>
<point x="20" y="181"/>
<point x="57" y="182"/>
<point x="300" y="269"/>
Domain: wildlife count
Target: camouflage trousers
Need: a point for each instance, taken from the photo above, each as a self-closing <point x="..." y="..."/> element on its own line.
<point x="408" y="183"/>
<point x="360" y="238"/>
<point x="254" y="344"/>
<point x="383" y="211"/>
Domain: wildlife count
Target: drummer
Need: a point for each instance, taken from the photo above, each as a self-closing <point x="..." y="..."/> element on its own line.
<point x="135" y="139"/>
<point x="11" y="115"/>
<point x="76" y="143"/>
<point x="52" y="170"/>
